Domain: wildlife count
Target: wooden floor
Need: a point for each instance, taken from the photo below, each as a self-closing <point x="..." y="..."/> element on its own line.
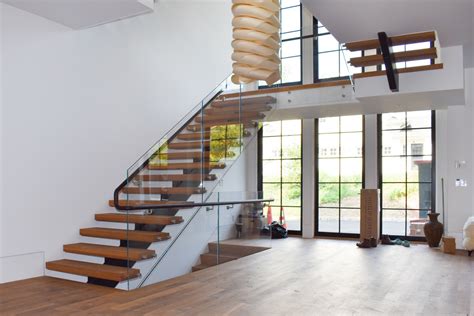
<point x="296" y="277"/>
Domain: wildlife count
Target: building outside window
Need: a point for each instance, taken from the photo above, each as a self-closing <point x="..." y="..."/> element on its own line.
<point x="339" y="176"/>
<point x="280" y="174"/>
<point x="406" y="177"/>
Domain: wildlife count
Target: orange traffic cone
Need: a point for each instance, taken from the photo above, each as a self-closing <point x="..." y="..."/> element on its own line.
<point x="269" y="215"/>
<point x="282" y="218"/>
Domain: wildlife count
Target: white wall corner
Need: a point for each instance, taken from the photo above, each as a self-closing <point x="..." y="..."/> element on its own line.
<point x="148" y="3"/>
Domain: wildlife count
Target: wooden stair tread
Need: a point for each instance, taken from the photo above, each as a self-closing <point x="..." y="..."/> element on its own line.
<point x="200" y="267"/>
<point x="238" y="109"/>
<point x="235" y="250"/>
<point x="175" y="177"/>
<point x="198" y="127"/>
<point x="95" y="270"/>
<point x="207" y="136"/>
<point x="402" y="70"/>
<point x="122" y="253"/>
<point x="223" y="102"/>
<point x="154" y="190"/>
<point x="123" y="234"/>
<point x="185" y="166"/>
<point x="189" y="145"/>
<point x="230" y="117"/>
<point x="373" y="60"/>
<point x="396" y="40"/>
<point x="139" y="219"/>
<point x="184" y="155"/>
<point x="212" y="259"/>
<point x="145" y="202"/>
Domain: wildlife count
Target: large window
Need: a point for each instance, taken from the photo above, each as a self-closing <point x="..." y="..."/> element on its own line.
<point x="406" y="156"/>
<point x="281" y="169"/>
<point x="339" y="174"/>
<point x="330" y="60"/>
<point x="291" y="41"/>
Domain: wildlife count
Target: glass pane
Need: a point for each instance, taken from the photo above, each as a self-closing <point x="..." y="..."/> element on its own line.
<point x="350" y="195"/>
<point x="350" y="221"/>
<point x="291" y="170"/>
<point x="419" y="196"/>
<point x="416" y="63"/>
<point x="291" y="48"/>
<point x="291" y="194"/>
<point x="290" y="19"/>
<point x="291" y="69"/>
<point x="415" y="223"/>
<point x="272" y="128"/>
<point x="328" y="65"/>
<point x="272" y="190"/>
<point x="271" y="170"/>
<point x="290" y="35"/>
<point x="351" y="123"/>
<point x="329" y="143"/>
<point x="416" y="46"/>
<point x="393" y="143"/>
<point x="351" y="144"/>
<point x="327" y="43"/>
<point x="328" y="170"/>
<point x="328" y="125"/>
<point x="289" y="3"/>
<point x="346" y="68"/>
<point x="393" y="120"/>
<point x="393" y="195"/>
<point x="322" y="30"/>
<point x="393" y="169"/>
<point x="291" y="127"/>
<point x="419" y="169"/>
<point x="351" y="170"/>
<point x="419" y="142"/>
<point x="293" y="218"/>
<point x="393" y="222"/>
<point x="329" y="195"/>
<point x="328" y="220"/>
<point x="291" y="147"/>
<point x="271" y="147"/>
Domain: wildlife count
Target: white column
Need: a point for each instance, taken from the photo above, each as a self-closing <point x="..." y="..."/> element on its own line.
<point x="371" y="161"/>
<point x="308" y="178"/>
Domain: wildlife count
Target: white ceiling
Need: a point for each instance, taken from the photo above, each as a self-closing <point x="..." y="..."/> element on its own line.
<point x="79" y="14"/>
<point x="351" y="20"/>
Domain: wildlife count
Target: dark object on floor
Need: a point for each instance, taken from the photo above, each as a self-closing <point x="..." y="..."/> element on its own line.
<point x="433" y="230"/>
<point x="276" y="230"/>
<point x="386" y="240"/>
<point x="373" y="242"/>
<point x="469" y="253"/>
<point x="364" y="244"/>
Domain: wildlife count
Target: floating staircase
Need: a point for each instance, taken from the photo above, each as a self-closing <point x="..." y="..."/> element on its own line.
<point x="175" y="173"/>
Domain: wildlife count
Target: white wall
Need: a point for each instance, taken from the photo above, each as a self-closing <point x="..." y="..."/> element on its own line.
<point x="459" y="147"/>
<point x="80" y="106"/>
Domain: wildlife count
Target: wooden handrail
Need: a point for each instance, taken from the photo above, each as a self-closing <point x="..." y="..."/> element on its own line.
<point x="373" y="60"/>
<point x="402" y="70"/>
<point x="290" y="88"/>
<point x="396" y="40"/>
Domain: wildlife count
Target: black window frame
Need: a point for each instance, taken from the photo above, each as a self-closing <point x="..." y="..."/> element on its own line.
<point x="316" y="179"/>
<point x="380" y="175"/>
<point x="260" y="174"/>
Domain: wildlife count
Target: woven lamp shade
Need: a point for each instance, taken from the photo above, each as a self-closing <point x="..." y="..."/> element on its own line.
<point x="256" y="41"/>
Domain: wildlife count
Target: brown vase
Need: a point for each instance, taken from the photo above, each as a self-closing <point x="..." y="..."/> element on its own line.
<point x="433" y="230"/>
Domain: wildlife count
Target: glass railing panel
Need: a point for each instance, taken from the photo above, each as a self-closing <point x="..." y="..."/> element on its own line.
<point x="187" y="238"/>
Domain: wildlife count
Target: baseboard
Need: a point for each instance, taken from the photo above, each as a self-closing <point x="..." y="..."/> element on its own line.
<point x="22" y="266"/>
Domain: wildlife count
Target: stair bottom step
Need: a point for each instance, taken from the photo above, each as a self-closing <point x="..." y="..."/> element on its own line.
<point x="95" y="270"/>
